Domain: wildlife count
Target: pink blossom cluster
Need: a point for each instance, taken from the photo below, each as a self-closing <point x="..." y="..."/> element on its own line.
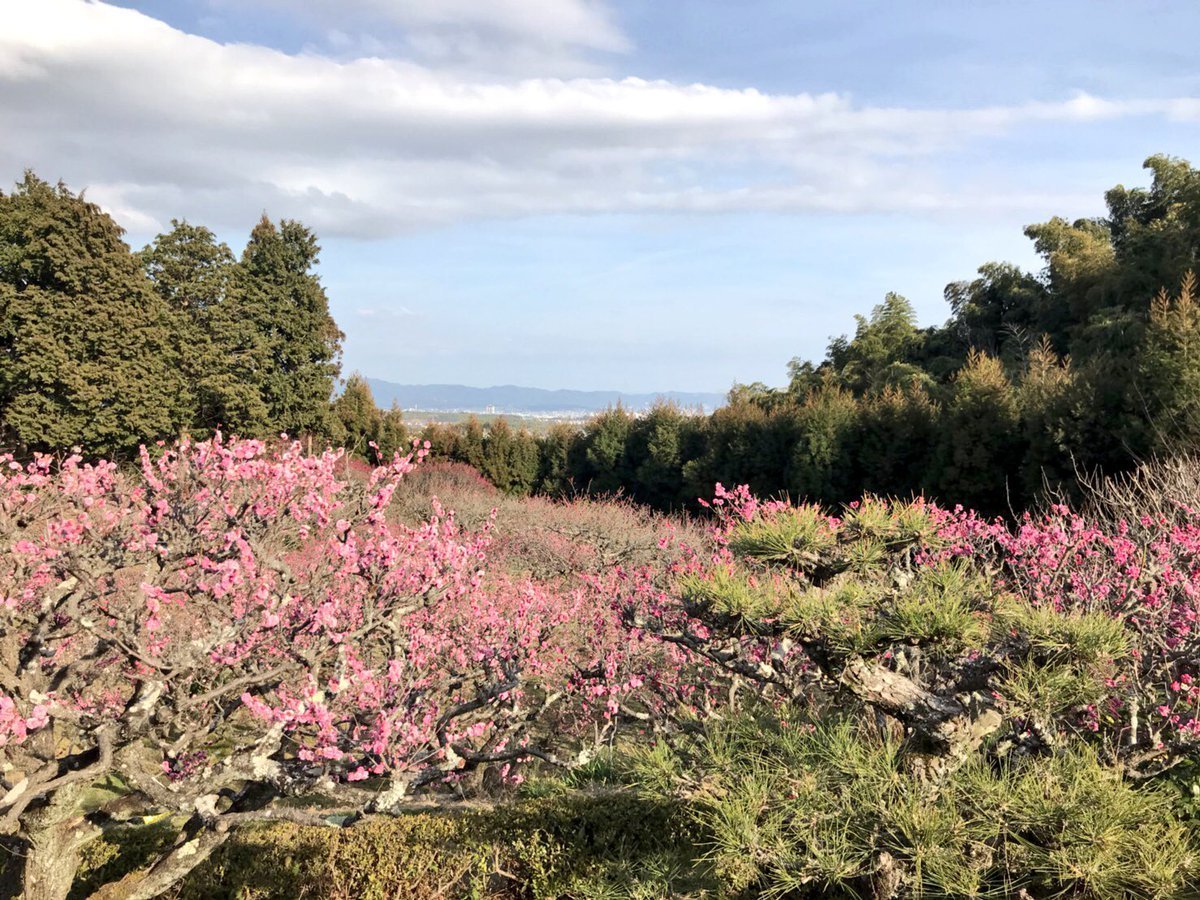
<point x="1146" y="574"/>
<point x="225" y="583"/>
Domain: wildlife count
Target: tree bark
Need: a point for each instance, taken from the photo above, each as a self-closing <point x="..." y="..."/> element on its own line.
<point x="54" y="836"/>
<point x="167" y="870"/>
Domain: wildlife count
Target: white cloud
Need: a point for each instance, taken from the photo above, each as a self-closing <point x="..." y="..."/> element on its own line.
<point x="159" y="123"/>
<point x="493" y="36"/>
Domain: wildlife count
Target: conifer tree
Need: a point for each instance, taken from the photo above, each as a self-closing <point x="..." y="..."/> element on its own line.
<point x="90" y="358"/>
<point x="283" y="321"/>
<point x="469" y="446"/>
<point x="193" y="273"/>
<point x="821" y="467"/>
<point x="659" y="447"/>
<point x="359" y="422"/>
<point x="895" y="441"/>
<point x="1044" y="397"/>
<point x="497" y="455"/>
<point x="554" y="450"/>
<point x="605" y="465"/>
<point x="393" y="434"/>
<point x="1169" y="369"/>
<point x="980" y="450"/>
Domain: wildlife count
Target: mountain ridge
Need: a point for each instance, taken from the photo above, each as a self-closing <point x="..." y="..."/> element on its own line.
<point x="512" y="398"/>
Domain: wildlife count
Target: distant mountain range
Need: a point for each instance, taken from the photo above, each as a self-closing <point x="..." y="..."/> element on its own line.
<point x="509" y="398"/>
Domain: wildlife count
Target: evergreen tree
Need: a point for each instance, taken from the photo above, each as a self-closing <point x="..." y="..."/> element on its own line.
<point x="1044" y="397"/>
<point x="524" y="463"/>
<point x="359" y="422"/>
<point x="895" y="439"/>
<point x="822" y="466"/>
<point x="393" y="434"/>
<point x="193" y="273"/>
<point x="1169" y="369"/>
<point x="605" y="466"/>
<point x="497" y="459"/>
<point x="89" y="349"/>
<point x="554" y="452"/>
<point x="657" y="452"/>
<point x="285" y="327"/>
<point x="980" y="452"/>
<point x="469" y="447"/>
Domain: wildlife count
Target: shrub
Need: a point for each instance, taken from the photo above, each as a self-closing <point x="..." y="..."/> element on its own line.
<point x="590" y="843"/>
<point x="792" y="807"/>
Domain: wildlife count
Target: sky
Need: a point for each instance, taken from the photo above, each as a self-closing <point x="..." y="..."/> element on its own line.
<point x="603" y="194"/>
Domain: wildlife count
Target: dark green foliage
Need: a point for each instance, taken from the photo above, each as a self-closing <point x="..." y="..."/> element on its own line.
<point x="897" y="433"/>
<point x="603" y="465"/>
<point x="882" y="352"/>
<point x="193" y="273"/>
<point x="744" y="443"/>
<point x="106" y="349"/>
<point x="1002" y="311"/>
<point x="90" y="350"/>
<point x="468" y="447"/>
<point x="290" y="339"/>
<point x="1169" y="369"/>
<point x="822" y="457"/>
<point x="554" y="452"/>
<point x="510" y="459"/>
<point x="362" y="427"/>
<point x="393" y="435"/>
<point x="980" y="448"/>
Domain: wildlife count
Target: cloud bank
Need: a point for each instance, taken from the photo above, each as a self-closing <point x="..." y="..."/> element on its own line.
<point x="154" y="121"/>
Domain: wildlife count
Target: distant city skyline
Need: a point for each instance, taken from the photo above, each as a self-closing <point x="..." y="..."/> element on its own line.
<point x="603" y="194"/>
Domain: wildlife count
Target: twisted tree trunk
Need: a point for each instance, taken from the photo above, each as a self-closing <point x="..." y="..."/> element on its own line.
<point x="54" y="835"/>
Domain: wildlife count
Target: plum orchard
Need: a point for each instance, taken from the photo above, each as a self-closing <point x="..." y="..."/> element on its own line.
<point x="894" y="701"/>
<point x="231" y="624"/>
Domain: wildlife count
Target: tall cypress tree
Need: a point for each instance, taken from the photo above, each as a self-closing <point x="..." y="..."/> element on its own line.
<point x="194" y="273"/>
<point x="281" y="316"/>
<point x="89" y="356"/>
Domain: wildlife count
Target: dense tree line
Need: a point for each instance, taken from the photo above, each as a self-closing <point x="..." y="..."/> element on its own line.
<point x="1089" y="365"/>
<point x="106" y="348"/>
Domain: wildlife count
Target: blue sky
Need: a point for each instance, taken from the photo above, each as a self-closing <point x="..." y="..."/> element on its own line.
<point x="625" y="195"/>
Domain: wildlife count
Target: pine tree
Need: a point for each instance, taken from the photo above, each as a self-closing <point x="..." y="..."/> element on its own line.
<point x="90" y="355"/>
